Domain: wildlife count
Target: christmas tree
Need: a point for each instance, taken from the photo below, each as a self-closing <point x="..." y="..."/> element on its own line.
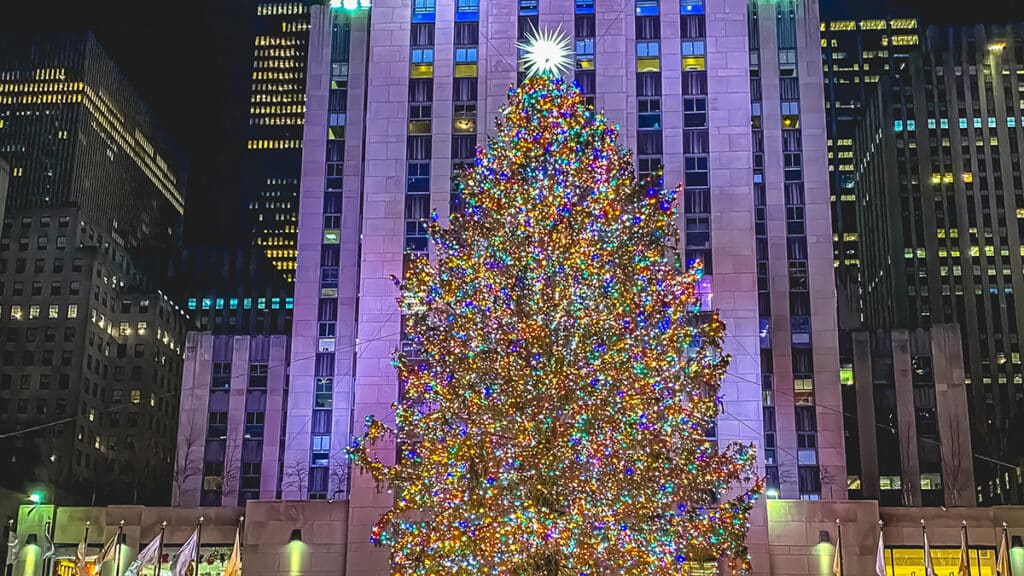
<point x="554" y="415"/>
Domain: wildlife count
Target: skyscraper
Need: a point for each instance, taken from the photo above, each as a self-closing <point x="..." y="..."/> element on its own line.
<point x="940" y="195"/>
<point x="76" y="132"/>
<point x="857" y="53"/>
<point x="96" y="196"/>
<point x="274" y="134"/>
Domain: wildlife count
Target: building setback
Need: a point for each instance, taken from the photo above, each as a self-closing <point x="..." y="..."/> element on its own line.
<point x="680" y="77"/>
<point x="940" y="197"/>
<point x="230" y="424"/>
<point x="907" y="431"/>
<point x="856" y="53"/>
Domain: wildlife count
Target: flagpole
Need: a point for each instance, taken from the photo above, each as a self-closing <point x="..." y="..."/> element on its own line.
<point x="199" y="540"/>
<point x="85" y="552"/>
<point x="839" y="538"/>
<point x="160" y="550"/>
<point x="117" y="549"/>
<point x="967" y="545"/>
<point x="1005" y="544"/>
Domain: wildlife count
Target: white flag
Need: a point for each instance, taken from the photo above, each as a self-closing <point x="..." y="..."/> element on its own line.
<point x="13" y="548"/>
<point x="234" y="564"/>
<point x="929" y="568"/>
<point x="185" y="556"/>
<point x="80" y="558"/>
<point x="149" y="556"/>
<point x="880" y="560"/>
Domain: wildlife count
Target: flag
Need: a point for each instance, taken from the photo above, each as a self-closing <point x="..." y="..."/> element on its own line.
<point x="929" y="568"/>
<point x="837" y="562"/>
<point x="109" y="550"/>
<point x="185" y="555"/>
<point x="964" y="569"/>
<point x="80" y="558"/>
<point x="13" y="548"/>
<point x="880" y="560"/>
<point x="149" y="556"/>
<point x="234" y="564"/>
<point x="1003" y="557"/>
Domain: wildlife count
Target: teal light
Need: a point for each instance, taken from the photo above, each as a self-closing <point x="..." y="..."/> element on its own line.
<point x="350" y="5"/>
<point x="36" y="497"/>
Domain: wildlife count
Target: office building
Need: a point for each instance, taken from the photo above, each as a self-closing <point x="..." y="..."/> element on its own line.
<point x="84" y="335"/>
<point x="856" y="53"/>
<point x="293" y="538"/>
<point x="273" y="156"/>
<point x="5" y="180"/>
<point x="75" y="132"/>
<point x="399" y="95"/>
<point x="234" y="394"/>
<point x="907" y="429"/>
<point x="93" y="210"/>
<point x="940" y="195"/>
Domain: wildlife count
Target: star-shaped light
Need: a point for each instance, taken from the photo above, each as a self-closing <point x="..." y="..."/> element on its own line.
<point x="547" y="52"/>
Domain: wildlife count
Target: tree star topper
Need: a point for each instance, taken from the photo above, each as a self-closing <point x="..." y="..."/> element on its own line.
<point x="546" y="52"/>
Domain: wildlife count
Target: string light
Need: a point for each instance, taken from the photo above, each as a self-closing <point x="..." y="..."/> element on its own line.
<point x="554" y="416"/>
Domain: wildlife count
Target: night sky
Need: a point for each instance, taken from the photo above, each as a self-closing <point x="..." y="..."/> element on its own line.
<point x="189" y="59"/>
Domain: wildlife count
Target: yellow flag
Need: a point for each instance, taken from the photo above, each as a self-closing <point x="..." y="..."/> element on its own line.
<point x="234" y="563"/>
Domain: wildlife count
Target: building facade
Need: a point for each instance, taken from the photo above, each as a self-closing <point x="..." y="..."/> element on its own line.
<point x="290" y="538"/>
<point x="398" y="97"/>
<point x="84" y="334"/>
<point x="940" y="194"/>
<point x="856" y="53"/>
<point x="234" y="396"/>
<point x="75" y="132"/>
<point x="277" y="105"/>
<point x="907" y="432"/>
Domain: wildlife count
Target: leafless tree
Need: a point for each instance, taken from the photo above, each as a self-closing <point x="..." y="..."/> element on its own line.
<point x="339" y="478"/>
<point x="295" y="476"/>
<point x="953" y="467"/>
<point x="833" y="481"/>
<point x="186" y="463"/>
<point x="232" y="463"/>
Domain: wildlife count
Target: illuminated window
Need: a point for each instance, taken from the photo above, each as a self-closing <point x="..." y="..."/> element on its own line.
<point x="33" y="312"/>
<point x="651" y="49"/>
<point x="53" y="312"/>
<point x="16" y="312"/>
<point x="136" y="396"/>
<point x="889" y="482"/>
<point x="141" y="328"/>
<point x="124" y="329"/>
<point x="72" y="310"/>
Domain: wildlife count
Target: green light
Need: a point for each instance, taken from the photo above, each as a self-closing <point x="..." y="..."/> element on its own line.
<point x="36" y="497"/>
<point x="296" y="556"/>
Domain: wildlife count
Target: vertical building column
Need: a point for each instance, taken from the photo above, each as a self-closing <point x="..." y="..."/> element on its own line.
<point x="953" y="415"/>
<point x="864" y="384"/>
<point x="237" y="395"/>
<point x="277" y="377"/>
<point x="383" y="190"/>
<point x="902" y="373"/>
<point x="735" y="276"/>
<point x="820" y="270"/>
<point x="780" y="329"/>
<point x="498" y="60"/>
<point x="307" y="280"/>
<point x="193" y="414"/>
<point x="616" y="66"/>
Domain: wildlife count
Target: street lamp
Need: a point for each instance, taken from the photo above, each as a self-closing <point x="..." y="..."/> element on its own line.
<point x="36" y="497"/>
